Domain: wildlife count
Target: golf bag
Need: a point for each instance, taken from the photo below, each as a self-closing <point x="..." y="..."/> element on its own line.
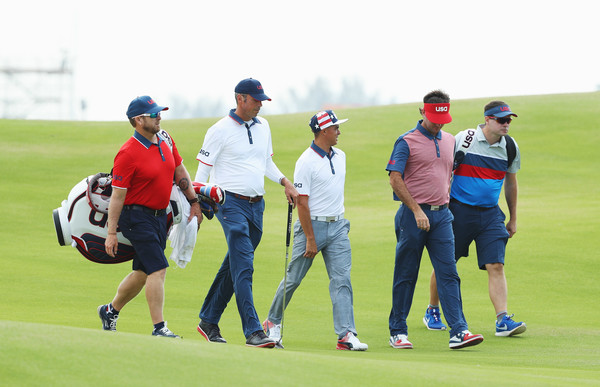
<point x="81" y="220"/>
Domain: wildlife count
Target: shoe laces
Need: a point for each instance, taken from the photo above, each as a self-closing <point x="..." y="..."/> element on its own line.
<point x="462" y="334"/>
<point x="261" y="334"/>
<point x="400" y="337"/>
<point x="275" y="330"/>
<point x="351" y="338"/>
<point x="112" y="320"/>
<point x="214" y="330"/>
<point x="435" y="314"/>
<point x="164" y="331"/>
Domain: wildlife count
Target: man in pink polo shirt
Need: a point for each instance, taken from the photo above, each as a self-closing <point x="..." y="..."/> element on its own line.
<point x="420" y="168"/>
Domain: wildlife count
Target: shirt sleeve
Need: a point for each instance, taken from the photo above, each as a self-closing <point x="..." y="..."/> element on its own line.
<point x="213" y="143"/>
<point x="399" y="156"/>
<point x="202" y="173"/>
<point x="123" y="170"/>
<point x="176" y="156"/>
<point x="271" y="170"/>
<point x="302" y="178"/>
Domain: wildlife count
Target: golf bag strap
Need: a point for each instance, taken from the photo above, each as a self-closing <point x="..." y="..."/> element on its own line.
<point x="466" y="140"/>
<point x="166" y="138"/>
<point x="511" y="149"/>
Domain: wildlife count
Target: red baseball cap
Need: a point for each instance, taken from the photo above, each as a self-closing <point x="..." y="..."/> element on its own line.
<point x="438" y="113"/>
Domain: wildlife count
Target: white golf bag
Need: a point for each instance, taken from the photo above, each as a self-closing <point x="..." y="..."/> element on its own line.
<point x="81" y="219"/>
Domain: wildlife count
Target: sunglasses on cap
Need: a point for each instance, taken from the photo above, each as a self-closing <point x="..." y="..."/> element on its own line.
<point x="502" y="120"/>
<point x="151" y="115"/>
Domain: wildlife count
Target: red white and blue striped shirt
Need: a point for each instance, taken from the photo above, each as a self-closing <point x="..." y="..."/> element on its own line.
<point x="478" y="179"/>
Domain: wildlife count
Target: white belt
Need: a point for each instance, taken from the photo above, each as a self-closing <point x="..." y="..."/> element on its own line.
<point x="328" y="218"/>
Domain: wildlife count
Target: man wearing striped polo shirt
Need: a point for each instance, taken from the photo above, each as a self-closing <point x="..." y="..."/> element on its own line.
<point x="420" y="168"/>
<point x="485" y="162"/>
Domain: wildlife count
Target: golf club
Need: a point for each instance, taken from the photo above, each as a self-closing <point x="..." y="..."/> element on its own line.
<point x="287" y="248"/>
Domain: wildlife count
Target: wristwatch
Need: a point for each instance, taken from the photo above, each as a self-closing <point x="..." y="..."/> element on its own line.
<point x="194" y="200"/>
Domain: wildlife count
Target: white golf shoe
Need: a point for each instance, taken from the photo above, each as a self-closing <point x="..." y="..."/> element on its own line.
<point x="400" y="341"/>
<point x="272" y="330"/>
<point x="351" y="343"/>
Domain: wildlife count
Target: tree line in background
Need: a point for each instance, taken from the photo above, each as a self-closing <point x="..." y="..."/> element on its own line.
<point x="315" y="96"/>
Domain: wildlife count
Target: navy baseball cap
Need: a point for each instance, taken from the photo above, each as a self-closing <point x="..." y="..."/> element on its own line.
<point x="253" y="88"/>
<point x="499" y="111"/>
<point x="323" y="120"/>
<point x="143" y="105"/>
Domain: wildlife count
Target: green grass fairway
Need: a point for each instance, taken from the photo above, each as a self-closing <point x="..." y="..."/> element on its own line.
<point x="50" y="333"/>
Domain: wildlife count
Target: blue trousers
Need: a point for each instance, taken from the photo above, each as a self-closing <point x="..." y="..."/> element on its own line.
<point x="439" y="242"/>
<point x="333" y="243"/>
<point x="242" y="224"/>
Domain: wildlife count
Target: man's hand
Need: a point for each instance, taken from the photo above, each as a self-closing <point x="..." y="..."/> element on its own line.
<point x="196" y="211"/>
<point x="311" y="248"/>
<point x="421" y="219"/>
<point x="511" y="227"/>
<point x="290" y="191"/>
<point x="111" y="244"/>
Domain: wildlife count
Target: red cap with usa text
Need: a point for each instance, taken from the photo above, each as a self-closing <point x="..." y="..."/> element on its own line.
<point x="438" y="113"/>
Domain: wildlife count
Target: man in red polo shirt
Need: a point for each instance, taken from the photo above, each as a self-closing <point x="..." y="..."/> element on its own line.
<point x="143" y="175"/>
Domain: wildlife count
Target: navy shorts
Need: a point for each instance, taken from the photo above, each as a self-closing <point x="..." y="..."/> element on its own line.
<point x="148" y="236"/>
<point x="484" y="226"/>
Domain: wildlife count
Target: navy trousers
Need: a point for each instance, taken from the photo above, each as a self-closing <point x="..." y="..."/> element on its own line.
<point x="439" y="241"/>
<point x="242" y="224"/>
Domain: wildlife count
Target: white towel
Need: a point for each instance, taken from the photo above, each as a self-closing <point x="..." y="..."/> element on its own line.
<point x="183" y="235"/>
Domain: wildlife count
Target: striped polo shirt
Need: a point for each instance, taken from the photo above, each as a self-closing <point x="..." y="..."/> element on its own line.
<point x="478" y="179"/>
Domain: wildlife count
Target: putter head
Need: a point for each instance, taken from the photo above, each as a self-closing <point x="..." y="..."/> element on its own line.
<point x="278" y="344"/>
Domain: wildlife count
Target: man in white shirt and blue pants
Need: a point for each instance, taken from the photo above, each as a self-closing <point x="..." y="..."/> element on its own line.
<point x="319" y="178"/>
<point x="237" y="153"/>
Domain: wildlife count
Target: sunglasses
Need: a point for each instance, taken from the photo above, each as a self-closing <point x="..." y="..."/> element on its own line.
<point x="502" y="120"/>
<point x="151" y="115"/>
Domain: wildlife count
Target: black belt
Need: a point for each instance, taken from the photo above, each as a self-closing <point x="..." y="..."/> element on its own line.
<point x="433" y="208"/>
<point x="147" y="210"/>
<point x="477" y="208"/>
<point x="253" y="199"/>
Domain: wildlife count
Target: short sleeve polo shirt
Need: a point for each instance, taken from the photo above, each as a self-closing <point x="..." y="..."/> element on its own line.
<point x="238" y="152"/>
<point x="478" y="179"/>
<point x="425" y="163"/>
<point x="146" y="170"/>
<point x="321" y="176"/>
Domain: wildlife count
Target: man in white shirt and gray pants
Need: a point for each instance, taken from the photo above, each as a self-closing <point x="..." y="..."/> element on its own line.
<point x="319" y="178"/>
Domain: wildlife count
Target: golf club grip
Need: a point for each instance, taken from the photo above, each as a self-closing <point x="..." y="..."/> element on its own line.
<point x="289" y="226"/>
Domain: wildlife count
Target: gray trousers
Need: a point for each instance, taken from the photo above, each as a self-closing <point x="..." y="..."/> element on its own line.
<point x="333" y="243"/>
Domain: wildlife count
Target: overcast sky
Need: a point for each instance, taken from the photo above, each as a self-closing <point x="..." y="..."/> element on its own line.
<point x="199" y="50"/>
